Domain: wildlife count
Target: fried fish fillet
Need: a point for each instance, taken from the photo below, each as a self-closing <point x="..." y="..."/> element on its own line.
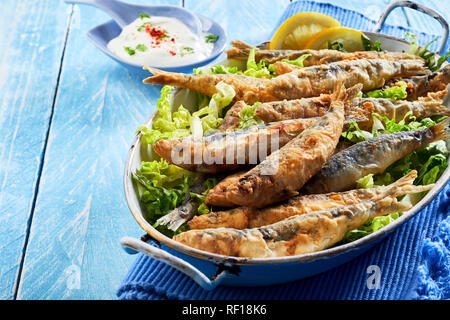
<point x="419" y="86"/>
<point x="241" y="50"/>
<point x="343" y="169"/>
<point x="227" y="151"/>
<point x="359" y="108"/>
<point x="244" y="218"/>
<point x="300" y="83"/>
<point x="286" y="170"/>
<point x="296" y="235"/>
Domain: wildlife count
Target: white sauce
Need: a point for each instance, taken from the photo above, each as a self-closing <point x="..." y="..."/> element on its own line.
<point x="160" y="41"/>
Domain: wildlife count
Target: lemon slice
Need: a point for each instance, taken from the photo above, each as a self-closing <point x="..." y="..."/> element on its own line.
<point x="295" y="32"/>
<point x="350" y="39"/>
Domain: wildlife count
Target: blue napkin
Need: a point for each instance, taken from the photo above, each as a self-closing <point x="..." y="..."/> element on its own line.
<point x="413" y="260"/>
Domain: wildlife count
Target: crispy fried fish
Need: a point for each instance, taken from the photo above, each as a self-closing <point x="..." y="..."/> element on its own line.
<point x="217" y="197"/>
<point x="419" y="86"/>
<point x="301" y="83"/>
<point x="226" y="151"/>
<point x="372" y="157"/>
<point x="361" y="108"/>
<point x="241" y="50"/>
<point x="286" y="170"/>
<point x="231" y="119"/>
<point x="296" y="235"/>
<point x="244" y="218"/>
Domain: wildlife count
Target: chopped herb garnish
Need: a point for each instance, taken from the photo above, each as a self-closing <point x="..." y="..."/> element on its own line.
<point x="142" y="26"/>
<point x="129" y="50"/>
<point x="336" y="45"/>
<point x="211" y="38"/>
<point x="187" y="50"/>
<point x="141" y="47"/>
<point x="368" y="46"/>
<point x="142" y="16"/>
<point x="163" y="36"/>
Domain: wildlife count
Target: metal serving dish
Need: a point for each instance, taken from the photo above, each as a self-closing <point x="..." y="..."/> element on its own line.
<point x="209" y="269"/>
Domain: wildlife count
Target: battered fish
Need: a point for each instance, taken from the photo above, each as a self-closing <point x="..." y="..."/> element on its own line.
<point x="241" y="50"/>
<point x="244" y="218"/>
<point x="286" y="170"/>
<point x="227" y="151"/>
<point x="301" y="83"/>
<point x="372" y="157"/>
<point x="293" y="236"/>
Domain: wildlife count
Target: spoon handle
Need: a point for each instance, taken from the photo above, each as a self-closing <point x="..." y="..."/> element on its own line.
<point x="112" y="7"/>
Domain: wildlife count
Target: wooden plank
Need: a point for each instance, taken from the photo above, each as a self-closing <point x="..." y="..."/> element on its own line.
<point x="249" y="21"/>
<point x="81" y="213"/>
<point x="31" y="44"/>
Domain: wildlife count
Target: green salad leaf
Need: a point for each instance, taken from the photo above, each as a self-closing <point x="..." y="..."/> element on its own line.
<point x="396" y="92"/>
<point x="336" y="45"/>
<point x="161" y="187"/>
<point x="368" y="46"/>
<point x="299" y="61"/>
<point x="209" y="184"/>
<point x="182" y="123"/>
<point x="430" y="57"/>
<point x="247" y="117"/>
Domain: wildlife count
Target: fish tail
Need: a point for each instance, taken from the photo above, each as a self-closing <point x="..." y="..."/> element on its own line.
<point x="342" y="94"/>
<point x="437" y="96"/>
<point x="240" y="50"/>
<point x="390" y="204"/>
<point x="405" y="185"/>
<point x="172" y="220"/>
<point x="241" y="45"/>
<point x="164" y="78"/>
<point x="441" y="130"/>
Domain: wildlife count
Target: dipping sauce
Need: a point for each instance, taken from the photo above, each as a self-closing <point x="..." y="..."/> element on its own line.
<point x="161" y="41"/>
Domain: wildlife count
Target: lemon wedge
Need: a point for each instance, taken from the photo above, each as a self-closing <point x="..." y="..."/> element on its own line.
<point x="349" y="39"/>
<point x="295" y="32"/>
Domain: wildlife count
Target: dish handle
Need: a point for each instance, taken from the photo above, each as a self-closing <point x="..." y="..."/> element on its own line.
<point x="132" y="245"/>
<point x="418" y="7"/>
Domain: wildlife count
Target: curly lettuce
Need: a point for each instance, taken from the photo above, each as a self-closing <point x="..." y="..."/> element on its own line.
<point x="182" y="123"/>
<point x="431" y="61"/>
<point x="161" y="187"/>
<point x="396" y="92"/>
<point x="247" y="117"/>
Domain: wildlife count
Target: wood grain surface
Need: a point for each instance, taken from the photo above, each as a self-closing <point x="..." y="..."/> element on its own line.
<point x="68" y="115"/>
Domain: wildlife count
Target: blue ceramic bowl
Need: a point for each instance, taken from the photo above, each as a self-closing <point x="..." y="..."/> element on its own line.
<point x="102" y="34"/>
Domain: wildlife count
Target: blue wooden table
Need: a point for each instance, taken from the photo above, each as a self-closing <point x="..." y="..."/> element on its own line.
<point x="67" y="117"/>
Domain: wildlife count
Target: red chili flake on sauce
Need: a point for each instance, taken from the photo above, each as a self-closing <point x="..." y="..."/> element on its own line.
<point x="155" y="33"/>
<point x="172" y="53"/>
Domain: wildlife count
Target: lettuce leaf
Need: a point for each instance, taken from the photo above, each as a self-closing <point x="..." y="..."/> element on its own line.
<point x="430" y="57"/>
<point x="258" y="70"/>
<point x="182" y="123"/>
<point x="299" y="61"/>
<point x="209" y="184"/>
<point x="161" y="187"/>
<point x="247" y="117"/>
<point x="397" y="92"/>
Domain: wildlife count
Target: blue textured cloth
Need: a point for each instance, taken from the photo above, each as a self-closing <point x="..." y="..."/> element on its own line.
<point x="414" y="260"/>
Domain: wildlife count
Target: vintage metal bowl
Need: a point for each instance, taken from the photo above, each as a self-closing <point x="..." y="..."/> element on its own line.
<point x="209" y="269"/>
